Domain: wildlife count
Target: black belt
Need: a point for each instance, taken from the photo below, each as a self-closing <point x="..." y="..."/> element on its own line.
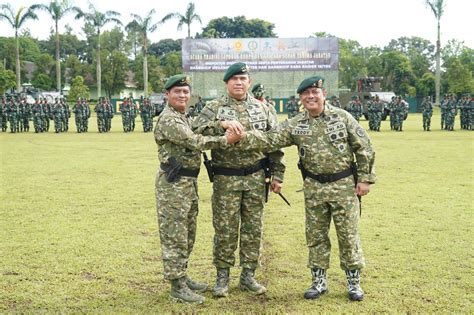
<point x="188" y="172"/>
<point x="238" y="171"/>
<point x="325" y="178"/>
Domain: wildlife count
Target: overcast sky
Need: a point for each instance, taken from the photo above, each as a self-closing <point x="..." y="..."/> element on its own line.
<point x="370" y="22"/>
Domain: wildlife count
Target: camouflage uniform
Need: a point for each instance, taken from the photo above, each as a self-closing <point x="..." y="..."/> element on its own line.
<point x="86" y="114"/>
<point x="292" y="107"/>
<point x="125" y="110"/>
<point x="58" y="114"/>
<point x="238" y="199"/>
<point x="3" y="114"/>
<point x="133" y="113"/>
<point x="329" y="144"/>
<point x="177" y="202"/>
<point x="78" y="115"/>
<point x="427" y="112"/>
<point x="13" y="112"/>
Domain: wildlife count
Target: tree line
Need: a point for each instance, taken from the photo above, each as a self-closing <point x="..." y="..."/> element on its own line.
<point x="105" y="59"/>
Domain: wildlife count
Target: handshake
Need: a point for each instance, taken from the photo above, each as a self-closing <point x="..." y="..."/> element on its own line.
<point x="234" y="131"/>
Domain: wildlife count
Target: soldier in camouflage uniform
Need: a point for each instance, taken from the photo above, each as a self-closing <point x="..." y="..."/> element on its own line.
<point x="109" y="115"/>
<point x="292" y="107"/>
<point x="239" y="181"/>
<point x="66" y="115"/>
<point x="451" y="112"/>
<point x="37" y="111"/>
<point x="335" y="101"/>
<point x="100" y="113"/>
<point x="334" y="150"/>
<point x="13" y="113"/>
<point x="3" y="114"/>
<point x="58" y="116"/>
<point x="125" y="110"/>
<point x="442" y="108"/>
<point x="25" y="110"/>
<point x="179" y="151"/>
<point x="355" y="107"/>
<point x="133" y="113"/>
<point x="78" y="115"/>
<point x="427" y="112"/>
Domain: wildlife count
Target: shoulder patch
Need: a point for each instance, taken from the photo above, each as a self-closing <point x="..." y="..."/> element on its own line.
<point x="360" y="132"/>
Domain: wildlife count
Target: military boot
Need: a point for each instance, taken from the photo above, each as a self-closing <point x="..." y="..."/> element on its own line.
<point x="353" y="285"/>
<point x="180" y="292"/>
<point x="221" y="289"/>
<point x="248" y="282"/>
<point x="196" y="286"/>
<point x="319" y="286"/>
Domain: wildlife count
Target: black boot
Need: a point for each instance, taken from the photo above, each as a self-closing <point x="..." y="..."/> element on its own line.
<point x="248" y="282"/>
<point x="196" y="286"/>
<point x="319" y="285"/>
<point x="180" y="292"/>
<point x="221" y="289"/>
<point x="353" y="285"/>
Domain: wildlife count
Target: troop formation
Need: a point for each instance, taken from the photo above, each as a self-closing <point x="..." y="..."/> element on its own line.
<point x="449" y="110"/>
<point x="15" y="111"/>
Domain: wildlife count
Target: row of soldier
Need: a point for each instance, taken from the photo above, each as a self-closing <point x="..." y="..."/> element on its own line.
<point x="17" y="112"/>
<point x="449" y="108"/>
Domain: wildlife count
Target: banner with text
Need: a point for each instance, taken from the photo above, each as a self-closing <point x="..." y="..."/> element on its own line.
<point x="261" y="54"/>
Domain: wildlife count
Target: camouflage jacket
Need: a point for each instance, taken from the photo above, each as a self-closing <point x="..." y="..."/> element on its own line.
<point x="174" y="137"/>
<point x="326" y="144"/>
<point x="253" y="115"/>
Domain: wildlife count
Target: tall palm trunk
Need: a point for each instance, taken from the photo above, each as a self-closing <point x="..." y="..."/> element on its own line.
<point x="18" y="81"/>
<point x="58" y="64"/>
<point x="145" y="68"/>
<point x="99" y="72"/>
<point x="438" y="67"/>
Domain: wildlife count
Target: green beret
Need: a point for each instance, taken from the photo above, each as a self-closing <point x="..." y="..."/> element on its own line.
<point x="178" y="80"/>
<point x="315" y="81"/>
<point x="257" y="87"/>
<point x="236" y="68"/>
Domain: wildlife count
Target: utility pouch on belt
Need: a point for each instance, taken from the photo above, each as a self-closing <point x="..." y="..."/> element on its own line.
<point x="208" y="165"/>
<point x="171" y="169"/>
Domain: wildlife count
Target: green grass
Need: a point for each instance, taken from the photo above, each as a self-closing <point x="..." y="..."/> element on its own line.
<point x="79" y="231"/>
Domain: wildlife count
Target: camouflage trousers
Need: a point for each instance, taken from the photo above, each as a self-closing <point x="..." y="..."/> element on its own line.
<point x="345" y="212"/>
<point x="427" y="119"/>
<point x="177" y="209"/>
<point x="237" y="207"/>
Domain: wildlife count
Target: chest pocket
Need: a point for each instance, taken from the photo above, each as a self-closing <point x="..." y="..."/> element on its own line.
<point x="226" y="113"/>
<point x="257" y="117"/>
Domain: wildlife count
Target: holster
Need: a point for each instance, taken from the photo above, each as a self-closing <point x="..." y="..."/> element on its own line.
<point x="171" y="169"/>
<point x="208" y="165"/>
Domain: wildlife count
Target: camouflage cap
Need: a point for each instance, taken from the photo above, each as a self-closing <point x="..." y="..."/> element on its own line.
<point x="236" y="68"/>
<point x="315" y="81"/>
<point x="178" y="80"/>
<point x="258" y="86"/>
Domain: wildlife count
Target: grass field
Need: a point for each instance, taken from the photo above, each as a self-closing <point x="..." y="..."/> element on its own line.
<point x="79" y="230"/>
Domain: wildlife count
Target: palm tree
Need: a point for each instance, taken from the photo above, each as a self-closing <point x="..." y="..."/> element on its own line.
<point x="189" y="17"/>
<point x="57" y="11"/>
<point x="143" y="26"/>
<point x="17" y="20"/>
<point x="98" y="21"/>
<point x="437" y="6"/>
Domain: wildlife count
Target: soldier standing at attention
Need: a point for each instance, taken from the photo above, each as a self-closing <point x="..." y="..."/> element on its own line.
<point x="179" y="151"/>
<point x="427" y="111"/>
<point x="78" y="115"/>
<point x="239" y="182"/>
<point x="335" y="156"/>
<point x="125" y="110"/>
<point x="292" y="107"/>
